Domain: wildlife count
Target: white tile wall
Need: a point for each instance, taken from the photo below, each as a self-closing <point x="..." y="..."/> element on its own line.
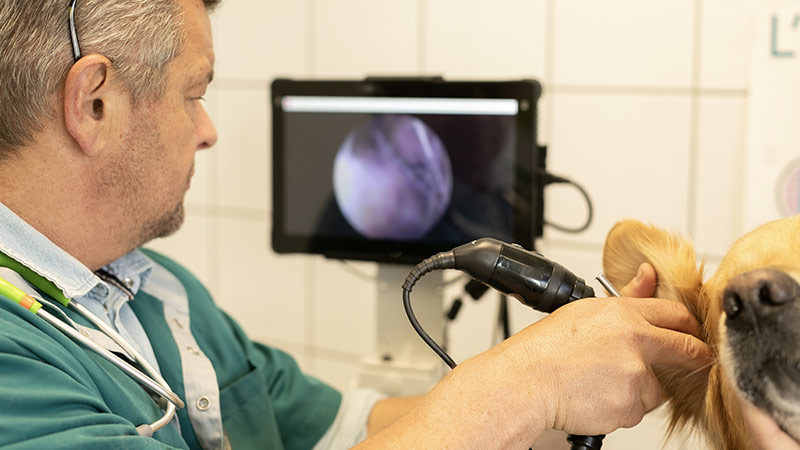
<point x="623" y="43"/>
<point x="355" y="38"/>
<point x="475" y="328"/>
<point x="480" y="39"/>
<point x="726" y="43"/>
<point x="256" y="39"/>
<point x="630" y="152"/>
<point x="645" y="106"/>
<point x="243" y="159"/>
<point x="267" y="294"/>
<point x="344" y="293"/>
<point x="720" y="166"/>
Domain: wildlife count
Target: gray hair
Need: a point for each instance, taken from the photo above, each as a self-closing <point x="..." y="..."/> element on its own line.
<point x="139" y="37"/>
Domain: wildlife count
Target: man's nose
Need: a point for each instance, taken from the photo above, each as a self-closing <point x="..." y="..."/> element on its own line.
<point x="758" y="294"/>
<point x="204" y="130"/>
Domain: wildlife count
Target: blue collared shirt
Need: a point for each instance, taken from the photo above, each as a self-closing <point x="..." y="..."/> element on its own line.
<point x="104" y="298"/>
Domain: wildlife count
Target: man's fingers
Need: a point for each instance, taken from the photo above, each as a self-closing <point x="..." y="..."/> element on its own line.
<point x="667" y="314"/>
<point x="643" y="285"/>
<point x="679" y="350"/>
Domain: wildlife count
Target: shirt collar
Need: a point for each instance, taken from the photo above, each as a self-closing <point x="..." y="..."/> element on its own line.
<point x="32" y="249"/>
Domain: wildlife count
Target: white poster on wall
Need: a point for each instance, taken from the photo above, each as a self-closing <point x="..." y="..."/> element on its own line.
<point x="772" y="169"/>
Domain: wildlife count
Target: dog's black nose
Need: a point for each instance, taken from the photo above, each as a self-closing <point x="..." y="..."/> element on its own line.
<point x="762" y="291"/>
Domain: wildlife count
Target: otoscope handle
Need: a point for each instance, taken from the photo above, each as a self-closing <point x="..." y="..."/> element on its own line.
<point x="534" y="280"/>
<point x="585" y="442"/>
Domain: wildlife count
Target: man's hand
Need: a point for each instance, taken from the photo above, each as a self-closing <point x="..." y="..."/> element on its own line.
<point x="765" y="432"/>
<point x="590" y="362"/>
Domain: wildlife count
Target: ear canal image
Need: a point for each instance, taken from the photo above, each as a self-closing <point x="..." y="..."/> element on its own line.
<point x="392" y="178"/>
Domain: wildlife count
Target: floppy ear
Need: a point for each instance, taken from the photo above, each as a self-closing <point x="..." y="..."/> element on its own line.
<point x="628" y="245"/>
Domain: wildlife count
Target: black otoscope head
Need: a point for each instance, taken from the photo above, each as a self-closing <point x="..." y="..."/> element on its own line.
<point x="528" y="276"/>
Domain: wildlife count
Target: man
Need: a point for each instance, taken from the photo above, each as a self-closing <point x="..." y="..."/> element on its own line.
<point x="97" y="141"/>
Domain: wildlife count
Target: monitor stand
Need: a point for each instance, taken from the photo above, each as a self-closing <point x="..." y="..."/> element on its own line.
<point x="403" y="364"/>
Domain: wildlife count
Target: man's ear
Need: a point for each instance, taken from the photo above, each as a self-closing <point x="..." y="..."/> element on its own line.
<point x="92" y="99"/>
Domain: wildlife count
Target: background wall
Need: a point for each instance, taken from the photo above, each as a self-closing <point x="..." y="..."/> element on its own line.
<point x="645" y="104"/>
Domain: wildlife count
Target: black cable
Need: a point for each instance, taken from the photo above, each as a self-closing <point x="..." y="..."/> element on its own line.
<point x="440" y="261"/>
<point x="503" y="317"/>
<point x="551" y="179"/>
<point x="425" y="337"/>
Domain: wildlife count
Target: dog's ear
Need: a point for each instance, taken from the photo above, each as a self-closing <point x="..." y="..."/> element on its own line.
<point x="630" y="243"/>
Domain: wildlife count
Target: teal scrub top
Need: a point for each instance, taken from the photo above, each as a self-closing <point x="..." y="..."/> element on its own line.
<point x="56" y="394"/>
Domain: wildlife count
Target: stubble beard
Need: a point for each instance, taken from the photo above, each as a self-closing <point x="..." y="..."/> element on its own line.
<point x="164" y="226"/>
<point x="128" y="181"/>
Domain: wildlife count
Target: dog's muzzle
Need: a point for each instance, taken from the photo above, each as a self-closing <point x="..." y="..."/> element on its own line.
<point x="762" y="330"/>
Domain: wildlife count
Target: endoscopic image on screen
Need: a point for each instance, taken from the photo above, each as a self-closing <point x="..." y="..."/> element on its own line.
<point x="400" y="177"/>
<point x="392" y="178"/>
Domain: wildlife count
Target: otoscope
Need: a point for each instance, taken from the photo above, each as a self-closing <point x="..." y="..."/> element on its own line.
<point x="528" y="276"/>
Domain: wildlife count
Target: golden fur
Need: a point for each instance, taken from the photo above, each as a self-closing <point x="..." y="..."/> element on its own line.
<point x="705" y="401"/>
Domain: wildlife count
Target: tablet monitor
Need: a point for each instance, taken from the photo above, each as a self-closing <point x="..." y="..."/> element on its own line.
<point x="396" y="170"/>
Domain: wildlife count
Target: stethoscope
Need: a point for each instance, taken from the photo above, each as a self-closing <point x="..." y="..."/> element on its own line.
<point x="154" y="382"/>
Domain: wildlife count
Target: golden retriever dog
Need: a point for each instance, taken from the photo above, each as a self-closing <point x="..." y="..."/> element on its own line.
<point x="749" y="311"/>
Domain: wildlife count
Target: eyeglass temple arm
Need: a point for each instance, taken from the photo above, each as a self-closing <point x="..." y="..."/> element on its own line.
<point x="76" y="48"/>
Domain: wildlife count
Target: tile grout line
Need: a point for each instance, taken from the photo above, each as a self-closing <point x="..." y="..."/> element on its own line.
<point x="549" y="63"/>
<point x="549" y="37"/>
<point x="422" y="36"/>
<point x="646" y="90"/>
<point x="311" y="47"/>
<point x="694" y="118"/>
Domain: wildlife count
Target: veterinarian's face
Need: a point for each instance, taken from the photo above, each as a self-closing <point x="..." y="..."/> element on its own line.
<point x="760" y="319"/>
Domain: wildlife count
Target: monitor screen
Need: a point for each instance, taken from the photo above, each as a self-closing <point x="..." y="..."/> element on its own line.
<point x="398" y="170"/>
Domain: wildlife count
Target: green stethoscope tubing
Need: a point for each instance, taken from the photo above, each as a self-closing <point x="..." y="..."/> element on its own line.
<point x="33" y="278"/>
<point x="155" y="382"/>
